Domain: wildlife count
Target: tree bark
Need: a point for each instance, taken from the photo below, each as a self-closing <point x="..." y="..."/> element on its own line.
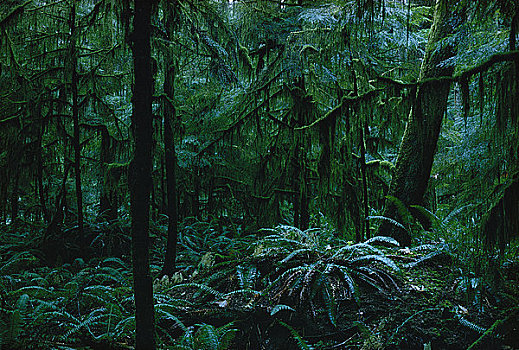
<point x="140" y="180"/>
<point x="416" y="154"/>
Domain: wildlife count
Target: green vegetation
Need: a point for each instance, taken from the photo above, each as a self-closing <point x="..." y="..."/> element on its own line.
<point x="265" y="174"/>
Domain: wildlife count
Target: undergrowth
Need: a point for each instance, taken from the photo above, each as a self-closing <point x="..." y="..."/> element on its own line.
<point x="282" y="287"/>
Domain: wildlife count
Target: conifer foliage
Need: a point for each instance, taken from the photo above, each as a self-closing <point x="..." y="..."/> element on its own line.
<point x="277" y="174"/>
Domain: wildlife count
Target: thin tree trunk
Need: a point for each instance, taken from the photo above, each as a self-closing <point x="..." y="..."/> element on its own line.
<point x="195" y="204"/>
<point x="171" y="164"/>
<point x="416" y="154"/>
<point x="15" y="206"/>
<point x="107" y="200"/>
<point x="60" y="204"/>
<point x="3" y="195"/>
<point x="75" y="118"/>
<point x="365" y="222"/>
<point x="295" y="178"/>
<point x="140" y="180"/>
<point x="42" y="194"/>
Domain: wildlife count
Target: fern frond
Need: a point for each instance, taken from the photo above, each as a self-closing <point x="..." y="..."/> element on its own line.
<point x="344" y="275"/>
<point x="33" y="291"/>
<point x="162" y="314"/>
<point x="379" y="258"/>
<point x="242" y="291"/>
<point x="280" y="307"/>
<point x="390" y="220"/>
<point x="383" y="240"/>
<point x="301" y="343"/>
<point x="201" y="287"/>
<point x="293" y="254"/>
<point x="471" y="325"/>
<point x="16" y="262"/>
<point x="90" y="319"/>
<point x="16" y="320"/>
<point x="330" y="304"/>
<point x="356" y="247"/>
<point x="122" y="325"/>
<point x="206" y="337"/>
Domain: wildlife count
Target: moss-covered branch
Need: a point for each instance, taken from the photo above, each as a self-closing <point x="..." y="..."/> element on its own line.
<point x="459" y="77"/>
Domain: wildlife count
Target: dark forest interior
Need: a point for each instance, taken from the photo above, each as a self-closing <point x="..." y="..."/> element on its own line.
<point x="259" y="174"/>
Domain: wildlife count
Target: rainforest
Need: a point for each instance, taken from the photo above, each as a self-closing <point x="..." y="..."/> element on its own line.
<point x="259" y="174"/>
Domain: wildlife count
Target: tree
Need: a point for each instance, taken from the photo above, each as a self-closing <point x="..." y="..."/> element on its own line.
<point x="416" y="153"/>
<point x="140" y="180"/>
<point x="169" y="151"/>
<point x="73" y="57"/>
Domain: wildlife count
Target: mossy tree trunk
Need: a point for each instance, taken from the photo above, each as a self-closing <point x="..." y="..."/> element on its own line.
<point x="416" y="154"/>
<point x="140" y="180"/>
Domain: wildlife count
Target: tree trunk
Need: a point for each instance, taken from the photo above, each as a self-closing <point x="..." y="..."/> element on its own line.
<point x="75" y="117"/>
<point x="42" y="193"/>
<point x="108" y="199"/>
<point x="171" y="164"/>
<point x="140" y="180"/>
<point x="15" y="205"/>
<point x="365" y="222"/>
<point x="3" y="194"/>
<point x="195" y="204"/>
<point x="416" y="154"/>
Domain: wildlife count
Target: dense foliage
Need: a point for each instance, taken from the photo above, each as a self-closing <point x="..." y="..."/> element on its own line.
<point x="286" y="208"/>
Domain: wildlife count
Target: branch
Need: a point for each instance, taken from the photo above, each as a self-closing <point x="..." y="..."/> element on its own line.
<point x="14" y="12"/>
<point x="346" y="100"/>
<point x="465" y="75"/>
<point x="499" y="57"/>
<point x="236" y="124"/>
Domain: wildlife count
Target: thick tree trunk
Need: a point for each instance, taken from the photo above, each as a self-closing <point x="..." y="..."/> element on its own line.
<point x="416" y="154"/>
<point x="140" y="180"/>
<point x="171" y="164"/>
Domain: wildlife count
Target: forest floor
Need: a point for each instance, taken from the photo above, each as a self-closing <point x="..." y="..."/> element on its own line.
<point x="278" y="289"/>
<point x="430" y="306"/>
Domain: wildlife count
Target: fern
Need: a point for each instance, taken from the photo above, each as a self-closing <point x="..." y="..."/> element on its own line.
<point x="329" y="303"/>
<point x="16" y="262"/>
<point x="301" y="343"/>
<point x="470" y="325"/>
<point x="164" y="312"/>
<point x="16" y="320"/>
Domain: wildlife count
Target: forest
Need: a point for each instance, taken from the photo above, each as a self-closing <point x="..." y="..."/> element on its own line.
<point x="259" y="174"/>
